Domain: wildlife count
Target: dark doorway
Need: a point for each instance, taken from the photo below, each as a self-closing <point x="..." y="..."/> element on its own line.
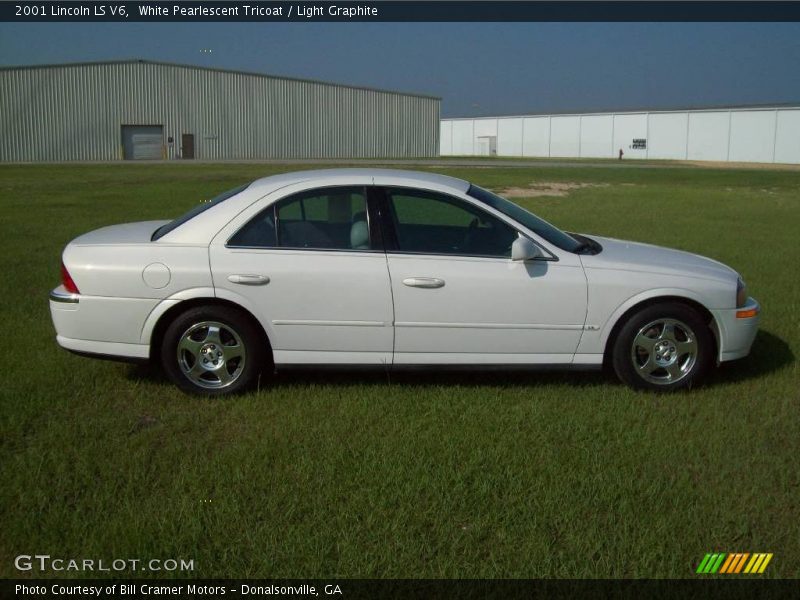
<point x="187" y="145"/>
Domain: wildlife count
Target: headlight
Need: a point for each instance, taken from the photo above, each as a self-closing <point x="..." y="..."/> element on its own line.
<point x="741" y="293"/>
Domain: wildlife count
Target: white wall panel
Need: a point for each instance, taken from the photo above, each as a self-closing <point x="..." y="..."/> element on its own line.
<point x="463" y="137"/>
<point x="708" y="135"/>
<point x="666" y="135"/>
<point x="509" y="137"/>
<point x="536" y="136"/>
<point x="485" y="128"/>
<point x="747" y="135"/>
<point x="626" y="129"/>
<point x="596" y="132"/>
<point x="446" y="138"/>
<point x="752" y="136"/>
<point x="787" y="139"/>
<point x="565" y="139"/>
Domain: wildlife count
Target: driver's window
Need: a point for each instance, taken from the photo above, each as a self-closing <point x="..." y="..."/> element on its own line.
<point x="431" y="223"/>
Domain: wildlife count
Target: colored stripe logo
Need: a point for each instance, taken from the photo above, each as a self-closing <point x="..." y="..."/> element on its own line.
<point x="734" y="563"/>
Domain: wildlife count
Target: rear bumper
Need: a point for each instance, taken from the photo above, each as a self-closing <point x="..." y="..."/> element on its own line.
<point x="108" y="350"/>
<point x="61" y="296"/>
<point x="737" y="329"/>
<point x="100" y="326"/>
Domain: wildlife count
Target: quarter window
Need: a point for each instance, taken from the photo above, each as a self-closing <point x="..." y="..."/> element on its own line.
<point x="431" y="223"/>
<point x="331" y="218"/>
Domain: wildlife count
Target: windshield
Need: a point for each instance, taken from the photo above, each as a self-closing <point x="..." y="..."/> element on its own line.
<point x="202" y="207"/>
<point x="539" y="226"/>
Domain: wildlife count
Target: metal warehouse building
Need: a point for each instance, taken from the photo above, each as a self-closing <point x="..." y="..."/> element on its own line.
<point x="151" y="110"/>
<point x="764" y="134"/>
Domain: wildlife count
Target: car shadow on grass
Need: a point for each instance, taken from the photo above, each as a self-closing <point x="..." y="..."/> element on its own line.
<point x="769" y="353"/>
<point x="445" y="377"/>
<point x="423" y="376"/>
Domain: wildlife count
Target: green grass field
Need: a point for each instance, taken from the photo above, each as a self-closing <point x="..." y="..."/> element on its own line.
<point x="414" y="475"/>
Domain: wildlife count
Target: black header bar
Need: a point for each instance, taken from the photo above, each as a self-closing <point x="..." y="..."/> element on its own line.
<point x="393" y="11"/>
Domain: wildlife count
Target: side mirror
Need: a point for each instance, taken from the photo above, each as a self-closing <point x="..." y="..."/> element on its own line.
<point x="524" y="249"/>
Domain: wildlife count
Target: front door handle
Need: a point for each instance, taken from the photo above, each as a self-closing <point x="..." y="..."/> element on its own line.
<point x="424" y="282"/>
<point x="249" y="279"/>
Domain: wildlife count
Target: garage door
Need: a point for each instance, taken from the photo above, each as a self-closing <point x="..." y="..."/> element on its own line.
<point x="143" y="142"/>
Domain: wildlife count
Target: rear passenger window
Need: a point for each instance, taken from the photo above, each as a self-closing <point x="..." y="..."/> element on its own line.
<point x="330" y="218"/>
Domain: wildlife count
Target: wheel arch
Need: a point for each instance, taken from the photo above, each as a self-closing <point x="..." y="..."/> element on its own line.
<point x="632" y="307"/>
<point x="160" y="322"/>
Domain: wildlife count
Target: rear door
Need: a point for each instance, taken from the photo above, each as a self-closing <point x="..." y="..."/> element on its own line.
<point x="313" y="269"/>
<point x="458" y="296"/>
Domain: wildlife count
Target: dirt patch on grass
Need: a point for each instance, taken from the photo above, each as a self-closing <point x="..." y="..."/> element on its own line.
<point x="558" y="189"/>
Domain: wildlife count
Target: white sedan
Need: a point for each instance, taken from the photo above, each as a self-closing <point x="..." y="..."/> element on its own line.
<point x="390" y="269"/>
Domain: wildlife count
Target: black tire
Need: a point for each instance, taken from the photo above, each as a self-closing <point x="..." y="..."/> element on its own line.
<point x="664" y="348"/>
<point x="222" y="351"/>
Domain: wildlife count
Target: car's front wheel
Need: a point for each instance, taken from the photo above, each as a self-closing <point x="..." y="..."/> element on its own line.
<point x="664" y="347"/>
<point x="213" y="350"/>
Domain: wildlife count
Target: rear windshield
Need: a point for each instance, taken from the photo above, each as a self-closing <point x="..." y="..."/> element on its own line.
<point x="202" y="207"/>
<point x="541" y="227"/>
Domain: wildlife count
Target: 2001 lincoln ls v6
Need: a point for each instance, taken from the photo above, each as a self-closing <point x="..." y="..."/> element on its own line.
<point x="390" y="268"/>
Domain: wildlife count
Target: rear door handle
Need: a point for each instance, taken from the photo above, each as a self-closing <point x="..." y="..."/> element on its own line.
<point x="424" y="282"/>
<point x="249" y="279"/>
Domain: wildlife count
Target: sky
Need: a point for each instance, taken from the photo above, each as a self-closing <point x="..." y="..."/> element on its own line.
<point x="476" y="68"/>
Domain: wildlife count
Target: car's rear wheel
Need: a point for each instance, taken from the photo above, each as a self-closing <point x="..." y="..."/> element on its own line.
<point x="664" y="347"/>
<point x="213" y="350"/>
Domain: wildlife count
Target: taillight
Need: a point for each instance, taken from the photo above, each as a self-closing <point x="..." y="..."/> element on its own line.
<point x="66" y="281"/>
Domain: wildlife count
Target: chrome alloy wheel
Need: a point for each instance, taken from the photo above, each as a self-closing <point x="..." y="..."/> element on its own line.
<point x="664" y="351"/>
<point x="211" y="354"/>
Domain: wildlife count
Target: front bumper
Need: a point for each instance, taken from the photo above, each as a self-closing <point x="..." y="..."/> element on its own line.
<point x="737" y="328"/>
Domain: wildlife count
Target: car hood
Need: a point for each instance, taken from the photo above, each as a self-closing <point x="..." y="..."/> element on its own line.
<point x="127" y="233"/>
<point x="633" y="256"/>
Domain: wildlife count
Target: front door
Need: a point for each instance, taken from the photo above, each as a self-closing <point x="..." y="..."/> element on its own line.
<point x="315" y="273"/>
<point x="187" y="145"/>
<point x="460" y="299"/>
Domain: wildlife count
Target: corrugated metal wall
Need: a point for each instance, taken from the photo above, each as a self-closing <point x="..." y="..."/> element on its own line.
<point x="75" y="112"/>
<point x="763" y="134"/>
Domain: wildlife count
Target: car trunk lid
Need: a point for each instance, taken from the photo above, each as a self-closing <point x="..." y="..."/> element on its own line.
<point x="126" y="233"/>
